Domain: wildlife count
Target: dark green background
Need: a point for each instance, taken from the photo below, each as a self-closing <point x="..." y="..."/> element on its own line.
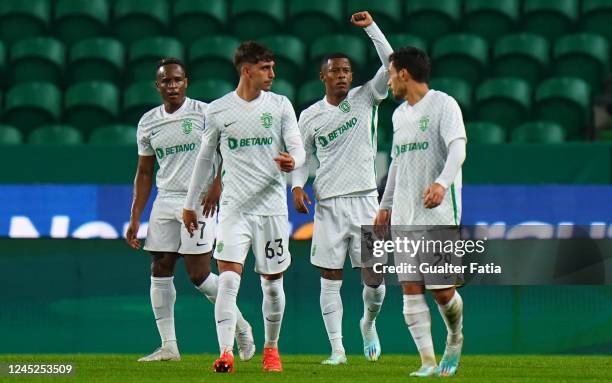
<point x="93" y="296"/>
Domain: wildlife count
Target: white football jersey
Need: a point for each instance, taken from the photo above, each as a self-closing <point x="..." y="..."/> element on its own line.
<point x="342" y="140"/>
<point x="421" y="135"/>
<point x="174" y="139"/>
<point x="250" y="135"/>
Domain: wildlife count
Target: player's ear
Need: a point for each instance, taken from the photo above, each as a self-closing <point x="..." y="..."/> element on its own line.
<point x="186" y="82"/>
<point x="404" y="75"/>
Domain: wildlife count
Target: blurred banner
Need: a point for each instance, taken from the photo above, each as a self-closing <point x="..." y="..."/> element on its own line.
<point x="102" y="211"/>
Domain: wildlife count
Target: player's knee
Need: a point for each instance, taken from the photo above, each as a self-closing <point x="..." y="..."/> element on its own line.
<point x="163" y="265"/>
<point x="442" y="297"/>
<point x="197" y="277"/>
<point x="331" y="274"/>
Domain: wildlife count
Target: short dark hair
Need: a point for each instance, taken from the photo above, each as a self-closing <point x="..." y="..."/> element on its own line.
<point x="334" y="55"/>
<point x="169" y="61"/>
<point x="251" y="52"/>
<point x="414" y="60"/>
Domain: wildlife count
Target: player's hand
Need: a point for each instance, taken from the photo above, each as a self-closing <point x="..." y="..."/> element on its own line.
<point x="285" y="162"/>
<point x="382" y="222"/>
<point x="299" y="196"/>
<point x="190" y="220"/>
<point x="434" y="195"/>
<point x="131" y="233"/>
<point x="362" y="19"/>
<point x="211" y="200"/>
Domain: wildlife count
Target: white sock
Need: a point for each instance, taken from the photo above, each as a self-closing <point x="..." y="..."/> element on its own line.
<point x="452" y="313"/>
<point x="273" y="308"/>
<point x="163" y="296"/>
<point x="332" y="310"/>
<point x="416" y="315"/>
<point x="225" y="309"/>
<point x="209" y="288"/>
<point x="373" y="298"/>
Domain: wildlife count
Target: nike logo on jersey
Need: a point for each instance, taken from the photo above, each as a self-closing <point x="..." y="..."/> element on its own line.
<point x="155" y="132"/>
<point x="222" y="320"/>
<point x="279" y="262"/>
<point x="201" y="244"/>
<point x="226" y="124"/>
<point x="317" y="129"/>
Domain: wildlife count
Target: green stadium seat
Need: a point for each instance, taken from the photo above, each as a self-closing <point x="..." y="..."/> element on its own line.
<point x="385" y="123"/>
<point x="20" y="19"/>
<point x="290" y="54"/>
<point x="28" y="105"/>
<point x="137" y="19"/>
<point x="114" y="135"/>
<point x="213" y="57"/>
<point x="460" y="55"/>
<point x="397" y="40"/>
<point x="483" y="132"/>
<point x="2" y="63"/>
<point x="55" y="135"/>
<point x="539" y="132"/>
<point x="91" y="104"/>
<point x="458" y="89"/>
<point x="145" y="53"/>
<point x="550" y="19"/>
<point x="351" y="45"/>
<point x="311" y="19"/>
<point x="504" y="101"/>
<point x="309" y="93"/>
<point x="521" y="55"/>
<point x="490" y="18"/>
<point x="387" y="14"/>
<point x="596" y="16"/>
<point x="77" y="20"/>
<point x="566" y="101"/>
<point x="253" y="19"/>
<point x="37" y="59"/>
<point x="431" y="19"/>
<point x="96" y="59"/>
<point x="584" y="56"/>
<point x="198" y="18"/>
<point x="9" y="135"/>
<point x="284" y="87"/>
<point x="138" y="99"/>
<point x="209" y="90"/>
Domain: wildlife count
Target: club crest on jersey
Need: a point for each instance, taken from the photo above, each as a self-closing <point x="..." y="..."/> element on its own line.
<point x="187" y="126"/>
<point x="219" y="246"/>
<point x="345" y="106"/>
<point x="424" y="123"/>
<point x="266" y="120"/>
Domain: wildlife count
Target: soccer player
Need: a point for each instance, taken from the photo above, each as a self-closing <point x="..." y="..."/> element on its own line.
<point x="172" y="133"/>
<point x="340" y="131"/>
<point x="252" y="126"/>
<point x="424" y="188"/>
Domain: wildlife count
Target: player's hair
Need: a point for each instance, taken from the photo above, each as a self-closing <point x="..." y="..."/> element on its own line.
<point x="414" y="60"/>
<point x="334" y="55"/>
<point x="171" y="60"/>
<point x="251" y="52"/>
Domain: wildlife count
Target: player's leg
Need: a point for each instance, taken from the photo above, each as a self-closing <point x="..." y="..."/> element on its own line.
<point x="418" y="320"/>
<point x="363" y="211"/>
<point x="450" y="306"/>
<point x="233" y="240"/>
<point x="163" y="297"/>
<point x="332" y="311"/>
<point x="272" y="258"/>
<point x="328" y="253"/>
<point x="197" y="251"/>
<point x="163" y="241"/>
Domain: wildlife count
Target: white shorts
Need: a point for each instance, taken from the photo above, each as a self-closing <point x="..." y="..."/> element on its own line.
<point x="337" y="230"/>
<point x="167" y="233"/>
<point x="268" y="236"/>
<point x="430" y="281"/>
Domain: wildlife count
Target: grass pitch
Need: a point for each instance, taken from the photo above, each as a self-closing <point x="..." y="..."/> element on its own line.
<point x="306" y="368"/>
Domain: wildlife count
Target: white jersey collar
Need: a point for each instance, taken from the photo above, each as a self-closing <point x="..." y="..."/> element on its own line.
<point x="176" y="112"/>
